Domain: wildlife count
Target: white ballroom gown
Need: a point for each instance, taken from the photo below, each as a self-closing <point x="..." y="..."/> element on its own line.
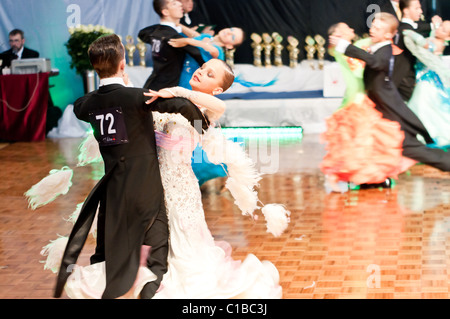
<point x="198" y="266"/>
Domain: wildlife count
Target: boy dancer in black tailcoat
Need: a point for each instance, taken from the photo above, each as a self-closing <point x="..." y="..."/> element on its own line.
<point x="167" y="60"/>
<point x="132" y="212"/>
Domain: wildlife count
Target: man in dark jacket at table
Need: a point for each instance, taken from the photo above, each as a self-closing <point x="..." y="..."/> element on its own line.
<point x="17" y="50"/>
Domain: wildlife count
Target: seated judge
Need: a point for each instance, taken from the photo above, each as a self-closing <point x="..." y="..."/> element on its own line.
<point x="17" y="50"/>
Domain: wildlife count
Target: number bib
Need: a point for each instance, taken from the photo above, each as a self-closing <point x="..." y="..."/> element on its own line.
<point x="109" y="126"/>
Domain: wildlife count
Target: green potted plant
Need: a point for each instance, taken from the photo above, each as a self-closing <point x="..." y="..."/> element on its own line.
<point x="77" y="46"/>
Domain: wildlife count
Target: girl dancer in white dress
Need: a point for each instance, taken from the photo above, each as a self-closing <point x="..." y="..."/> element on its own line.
<point x="198" y="266"/>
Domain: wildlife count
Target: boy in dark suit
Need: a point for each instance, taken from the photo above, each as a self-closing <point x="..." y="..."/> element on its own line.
<point x="404" y="76"/>
<point x="130" y="196"/>
<point x="167" y="60"/>
<point x="18" y="49"/>
<point x="382" y="91"/>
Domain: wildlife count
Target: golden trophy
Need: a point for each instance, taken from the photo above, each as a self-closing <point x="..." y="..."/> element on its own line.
<point x="142" y="48"/>
<point x="229" y="56"/>
<point x="131" y="48"/>
<point x="257" y="49"/>
<point x="310" y="50"/>
<point x="293" y="51"/>
<point x="277" y="48"/>
<point x="321" y="50"/>
<point x="267" y="49"/>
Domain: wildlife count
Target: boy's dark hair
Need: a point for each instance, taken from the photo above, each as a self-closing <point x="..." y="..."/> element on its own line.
<point x="159" y="6"/>
<point x="105" y="55"/>
<point x="244" y="36"/>
<point x="332" y="28"/>
<point x="403" y="4"/>
<point x="16" y="32"/>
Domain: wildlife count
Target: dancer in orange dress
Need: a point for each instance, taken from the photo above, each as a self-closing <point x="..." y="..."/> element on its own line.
<point x="363" y="148"/>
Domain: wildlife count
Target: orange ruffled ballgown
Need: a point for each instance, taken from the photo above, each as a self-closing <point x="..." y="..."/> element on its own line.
<point x="363" y="147"/>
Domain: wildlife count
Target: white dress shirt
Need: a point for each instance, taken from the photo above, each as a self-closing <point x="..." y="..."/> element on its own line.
<point x="343" y="44"/>
<point x="376" y="46"/>
<point x="108" y="81"/>
<point x="410" y="22"/>
<point x="19" y="54"/>
<point x="172" y="25"/>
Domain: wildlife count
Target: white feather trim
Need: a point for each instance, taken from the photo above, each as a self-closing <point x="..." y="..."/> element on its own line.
<point x="243" y="176"/>
<point x="222" y="150"/>
<point x="49" y="188"/>
<point x="242" y="179"/>
<point x="244" y="173"/>
<point x="89" y="151"/>
<point x="54" y="252"/>
<point x="277" y="218"/>
<point x="74" y="216"/>
<point x="213" y="143"/>
<point x="245" y="198"/>
<point x="93" y="230"/>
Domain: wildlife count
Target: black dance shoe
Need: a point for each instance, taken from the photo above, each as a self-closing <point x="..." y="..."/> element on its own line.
<point x="386" y="184"/>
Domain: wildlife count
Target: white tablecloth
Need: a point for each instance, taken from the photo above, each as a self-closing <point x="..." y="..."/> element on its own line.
<point x="250" y="79"/>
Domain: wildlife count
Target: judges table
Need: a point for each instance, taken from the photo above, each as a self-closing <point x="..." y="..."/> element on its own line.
<point x="23" y="107"/>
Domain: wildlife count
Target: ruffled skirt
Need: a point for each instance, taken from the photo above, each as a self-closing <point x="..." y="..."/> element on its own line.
<point x="363" y="147"/>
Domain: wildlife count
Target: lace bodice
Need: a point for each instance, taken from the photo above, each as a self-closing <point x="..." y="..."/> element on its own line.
<point x="173" y="124"/>
<point x="181" y="190"/>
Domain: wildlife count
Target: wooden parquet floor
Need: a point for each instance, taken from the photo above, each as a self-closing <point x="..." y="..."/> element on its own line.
<point x="368" y="244"/>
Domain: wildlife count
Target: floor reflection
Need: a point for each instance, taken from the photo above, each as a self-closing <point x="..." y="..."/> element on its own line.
<point x="389" y="243"/>
<point x="421" y="193"/>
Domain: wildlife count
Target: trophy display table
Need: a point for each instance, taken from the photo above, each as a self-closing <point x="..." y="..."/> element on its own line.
<point x="257" y="82"/>
<point x="23" y="107"/>
<point x="276" y="82"/>
<point x="304" y="95"/>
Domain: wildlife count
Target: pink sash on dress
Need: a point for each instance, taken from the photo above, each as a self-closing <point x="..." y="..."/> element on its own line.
<point x="170" y="142"/>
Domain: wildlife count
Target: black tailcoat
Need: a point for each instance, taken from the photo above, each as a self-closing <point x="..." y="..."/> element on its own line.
<point x="130" y="194"/>
<point x="167" y="60"/>
<point x="382" y="91"/>
<point x="404" y="69"/>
